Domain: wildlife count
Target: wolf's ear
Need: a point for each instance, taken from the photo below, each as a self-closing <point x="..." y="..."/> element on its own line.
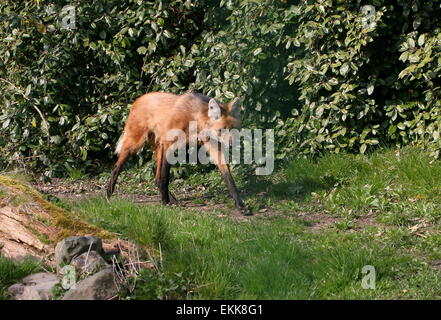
<point x="214" y="111"/>
<point x="234" y="108"/>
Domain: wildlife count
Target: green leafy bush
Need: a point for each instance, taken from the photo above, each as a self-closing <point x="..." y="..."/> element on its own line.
<point x="327" y="75"/>
<point x="66" y="92"/>
<point x="243" y="54"/>
<point x="367" y="78"/>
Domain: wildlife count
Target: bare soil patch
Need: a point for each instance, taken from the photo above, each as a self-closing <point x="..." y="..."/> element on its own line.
<point x="77" y="190"/>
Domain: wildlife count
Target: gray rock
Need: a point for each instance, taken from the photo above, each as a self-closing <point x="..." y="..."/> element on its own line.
<point x="72" y="247"/>
<point x="100" y="286"/>
<point x="16" y="290"/>
<point x="89" y="262"/>
<point x="37" y="286"/>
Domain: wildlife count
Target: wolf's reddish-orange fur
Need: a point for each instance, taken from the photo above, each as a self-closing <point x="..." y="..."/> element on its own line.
<point x="154" y="114"/>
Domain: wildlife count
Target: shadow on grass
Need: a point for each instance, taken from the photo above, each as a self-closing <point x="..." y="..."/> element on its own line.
<point x="297" y="190"/>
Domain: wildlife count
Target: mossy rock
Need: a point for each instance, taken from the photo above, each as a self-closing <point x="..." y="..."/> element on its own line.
<point x="31" y="225"/>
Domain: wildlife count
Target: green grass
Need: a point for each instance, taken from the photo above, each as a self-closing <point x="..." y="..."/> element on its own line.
<point x="385" y="209"/>
<point x="75" y="174"/>
<point x="207" y="257"/>
<point x="11" y="272"/>
<point x="369" y="182"/>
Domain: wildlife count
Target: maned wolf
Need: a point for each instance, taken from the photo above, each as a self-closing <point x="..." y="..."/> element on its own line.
<point x="155" y="114"/>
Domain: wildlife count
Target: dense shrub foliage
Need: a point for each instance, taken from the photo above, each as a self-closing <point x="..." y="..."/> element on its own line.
<point x="367" y="78"/>
<point x="309" y="69"/>
<point x="66" y="91"/>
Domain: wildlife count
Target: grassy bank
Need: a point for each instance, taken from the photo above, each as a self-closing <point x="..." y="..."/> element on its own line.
<point x="208" y="257"/>
<point x="317" y="224"/>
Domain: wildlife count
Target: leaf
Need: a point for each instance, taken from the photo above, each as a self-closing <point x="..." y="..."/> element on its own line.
<point x="344" y="69"/>
<point x="414" y="7"/>
<point x="363" y="148"/>
<point x="56" y="139"/>
<point x="154" y="26"/>
<point x="28" y="90"/>
<point x="319" y="111"/>
<point x="142" y="50"/>
<point x="421" y="40"/>
<point x="257" y="51"/>
<point x="229" y="94"/>
<point x="333" y="81"/>
<point x="6" y="123"/>
<point x="167" y="34"/>
<point x="403" y="57"/>
<point x="413" y="58"/>
<point x="370" y="89"/>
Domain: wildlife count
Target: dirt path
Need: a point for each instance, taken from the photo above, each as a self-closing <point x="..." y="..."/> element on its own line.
<point x="73" y="190"/>
<point x="77" y="190"/>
